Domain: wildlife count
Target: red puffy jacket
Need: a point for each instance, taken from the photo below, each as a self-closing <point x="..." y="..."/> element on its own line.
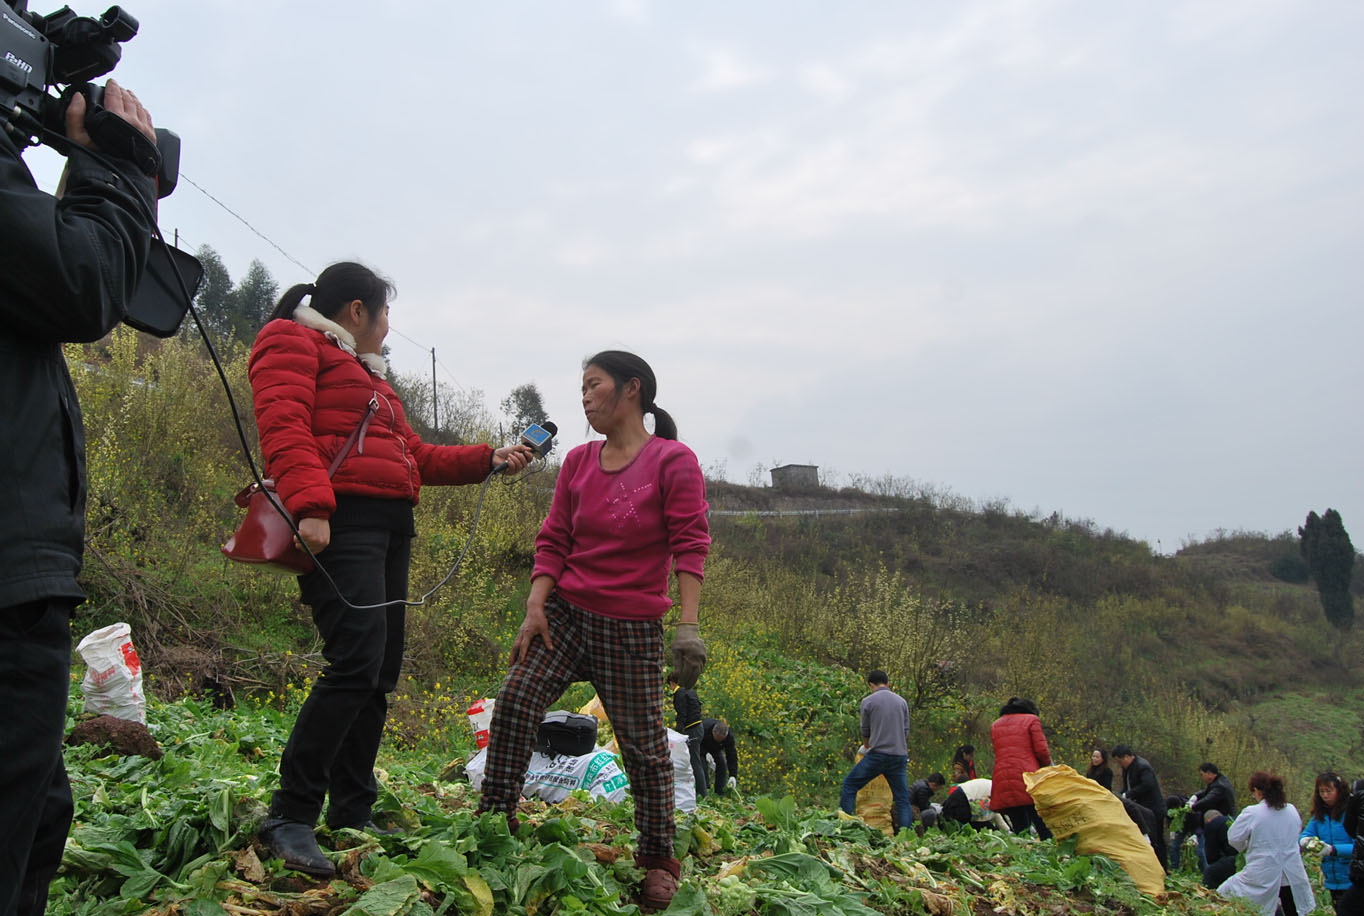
<point x="1020" y="747"/>
<point x="310" y="395"/>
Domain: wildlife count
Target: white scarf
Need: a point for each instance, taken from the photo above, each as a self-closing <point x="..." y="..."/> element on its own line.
<point x="310" y="317"/>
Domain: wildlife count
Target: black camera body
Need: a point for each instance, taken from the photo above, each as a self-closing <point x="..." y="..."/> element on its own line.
<point x="37" y="52"/>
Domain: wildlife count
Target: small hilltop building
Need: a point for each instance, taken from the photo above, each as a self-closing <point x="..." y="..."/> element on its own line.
<point x="795" y="477"/>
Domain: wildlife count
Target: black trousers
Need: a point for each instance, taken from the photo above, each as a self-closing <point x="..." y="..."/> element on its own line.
<point x="1022" y="817"/>
<point x="698" y="762"/>
<point x="715" y="762"/>
<point x="336" y="737"/>
<point x="1351" y="903"/>
<point x="35" y="798"/>
<point x="1218" y="871"/>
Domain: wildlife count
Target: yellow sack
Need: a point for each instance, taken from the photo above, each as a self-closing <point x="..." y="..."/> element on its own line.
<point x="594" y="708"/>
<point x="1071" y="804"/>
<point x="875" y="803"/>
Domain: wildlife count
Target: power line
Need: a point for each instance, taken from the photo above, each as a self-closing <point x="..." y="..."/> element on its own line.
<point x="309" y="270"/>
<point x="454" y="381"/>
<point x="449" y="373"/>
<point x="244" y="222"/>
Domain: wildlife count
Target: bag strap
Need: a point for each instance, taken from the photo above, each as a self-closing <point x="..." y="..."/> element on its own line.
<point x="370" y="410"/>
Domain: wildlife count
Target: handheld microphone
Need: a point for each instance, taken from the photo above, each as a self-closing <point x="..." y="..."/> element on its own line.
<point x="539" y="437"/>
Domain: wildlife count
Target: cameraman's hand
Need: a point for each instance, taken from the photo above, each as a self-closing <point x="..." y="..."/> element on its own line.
<point x="118" y="100"/>
<point x="316" y="533"/>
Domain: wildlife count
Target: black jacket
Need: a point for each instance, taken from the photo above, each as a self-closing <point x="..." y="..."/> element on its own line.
<point x="722" y="752"/>
<point x="1354" y="826"/>
<point x="687" y="705"/>
<point x="956" y="807"/>
<point x="1103" y="775"/>
<point x="67" y="271"/>
<point x="921" y="794"/>
<point x="1141" y="786"/>
<point x="1216" y="845"/>
<point x="1142" y="816"/>
<point x="1218" y="795"/>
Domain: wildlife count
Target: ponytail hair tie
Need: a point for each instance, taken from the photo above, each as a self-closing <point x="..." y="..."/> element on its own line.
<point x="310" y="289"/>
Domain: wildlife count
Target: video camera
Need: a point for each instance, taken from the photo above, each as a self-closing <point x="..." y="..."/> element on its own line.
<point x="39" y="53"/>
<point x="61" y="48"/>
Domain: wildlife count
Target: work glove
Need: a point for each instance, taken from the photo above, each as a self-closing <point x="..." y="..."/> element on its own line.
<point x="689" y="654"/>
<point x="1192" y="800"/>
<point x="1328" y="850"/>
<point x="733" y="783"/>
<point x="864" y="750"/>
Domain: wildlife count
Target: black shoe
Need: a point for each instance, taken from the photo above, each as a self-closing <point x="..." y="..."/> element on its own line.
<point x="295" y="843"/>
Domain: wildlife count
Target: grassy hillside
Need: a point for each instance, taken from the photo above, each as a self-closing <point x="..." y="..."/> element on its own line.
<point x="1209" y="654"/>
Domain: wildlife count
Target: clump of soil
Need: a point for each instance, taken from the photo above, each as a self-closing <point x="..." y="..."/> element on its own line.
<point x="128" y="739"/>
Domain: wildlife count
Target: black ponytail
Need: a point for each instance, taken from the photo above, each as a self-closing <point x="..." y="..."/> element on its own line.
<point x="342" y="282"/>
<point x="664" y="427"/>
<point x="622" y="367"/>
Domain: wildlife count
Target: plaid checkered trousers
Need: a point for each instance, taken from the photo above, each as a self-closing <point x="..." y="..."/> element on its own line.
<point x="623" y="660"/>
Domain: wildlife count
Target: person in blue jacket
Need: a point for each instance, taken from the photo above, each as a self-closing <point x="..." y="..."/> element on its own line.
<point x="1327" y="824"/>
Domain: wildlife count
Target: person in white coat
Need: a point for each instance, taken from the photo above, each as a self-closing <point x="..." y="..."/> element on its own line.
<point x="1267" y="832"/>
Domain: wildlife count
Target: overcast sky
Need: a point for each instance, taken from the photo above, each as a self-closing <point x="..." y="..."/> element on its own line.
<point x="1103" y="259"/>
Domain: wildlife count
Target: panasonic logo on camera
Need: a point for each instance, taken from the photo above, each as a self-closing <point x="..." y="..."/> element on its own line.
<point x="21" y="64"/>
<point x="21" y="26"/>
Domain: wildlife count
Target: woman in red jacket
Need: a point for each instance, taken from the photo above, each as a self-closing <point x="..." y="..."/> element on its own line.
<point x="1020" y="747"/>
<point x="317" y="378"/>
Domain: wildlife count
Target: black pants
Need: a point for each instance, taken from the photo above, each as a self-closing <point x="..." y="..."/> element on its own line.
<point x="1219" y="871"/>
<point x="698" y="763"/>
<point x="336" y="737"/>
<point x="715" y="762"/>
<point x="1022" y="817"/>
<point x="35" y="798"/>
<point x="1351" y="903"/>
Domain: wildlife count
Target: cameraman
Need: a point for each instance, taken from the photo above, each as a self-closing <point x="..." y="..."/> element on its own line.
<point x="68" y="268"/>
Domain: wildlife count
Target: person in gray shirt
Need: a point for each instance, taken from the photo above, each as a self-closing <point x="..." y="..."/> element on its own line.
<point x="885" y="749"/>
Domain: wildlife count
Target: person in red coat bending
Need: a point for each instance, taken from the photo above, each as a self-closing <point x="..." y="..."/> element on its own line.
<point x="1020" y="747"/>
<point x="349" y="468"/>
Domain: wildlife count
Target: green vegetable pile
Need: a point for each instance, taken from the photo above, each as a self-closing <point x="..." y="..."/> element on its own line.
<point x="177" y="835"/>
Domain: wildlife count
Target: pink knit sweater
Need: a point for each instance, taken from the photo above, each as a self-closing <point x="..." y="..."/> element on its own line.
<point x="613" y="537"/>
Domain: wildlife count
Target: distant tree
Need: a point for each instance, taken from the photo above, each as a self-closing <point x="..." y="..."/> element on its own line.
<point x="215" y="295"/>
<point x="1330" y="558"/>
<point x="252" y="302"/>
<point x="524" y="406"/>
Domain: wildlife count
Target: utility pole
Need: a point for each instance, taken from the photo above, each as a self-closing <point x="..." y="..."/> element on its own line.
<point x="435" y="416"/>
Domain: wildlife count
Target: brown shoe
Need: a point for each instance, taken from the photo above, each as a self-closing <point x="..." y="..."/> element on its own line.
<point x="660" y="881"/>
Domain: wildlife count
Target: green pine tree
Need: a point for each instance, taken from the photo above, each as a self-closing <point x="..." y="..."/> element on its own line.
<point x="1330" y="558"/>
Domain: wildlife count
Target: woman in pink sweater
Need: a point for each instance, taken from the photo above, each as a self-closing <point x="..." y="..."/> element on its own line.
<point x="627" y="511"/>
